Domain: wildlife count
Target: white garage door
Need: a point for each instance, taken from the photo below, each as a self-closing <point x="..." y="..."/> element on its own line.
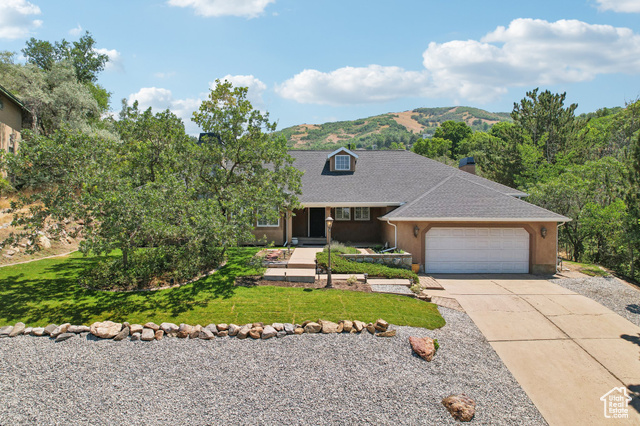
<point x="469" y="250"/>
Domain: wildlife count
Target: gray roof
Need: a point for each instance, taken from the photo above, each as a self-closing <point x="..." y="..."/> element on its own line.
<point x="423" y="187"/>
<point x="459" y="199"/>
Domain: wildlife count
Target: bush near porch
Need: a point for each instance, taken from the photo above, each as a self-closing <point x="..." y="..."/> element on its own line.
<point x="340" y="265"/>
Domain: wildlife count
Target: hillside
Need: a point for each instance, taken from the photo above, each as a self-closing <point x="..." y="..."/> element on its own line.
<point x="384" y="130"/>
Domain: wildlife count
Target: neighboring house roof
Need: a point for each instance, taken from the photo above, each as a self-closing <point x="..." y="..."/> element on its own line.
<point x="17" y="101"/>
<point x="423" y="187"/>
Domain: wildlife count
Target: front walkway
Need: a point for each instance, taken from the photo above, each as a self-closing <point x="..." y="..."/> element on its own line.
<point x="565" y="350"/>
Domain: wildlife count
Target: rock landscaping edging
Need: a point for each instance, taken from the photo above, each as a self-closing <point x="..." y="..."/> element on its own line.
<point x="109" y="330"/>
<point x="342" y="378"/>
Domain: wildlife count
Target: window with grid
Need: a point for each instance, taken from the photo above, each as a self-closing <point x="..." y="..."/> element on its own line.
<point x="361" y="213"/>
<point x="343" y="213"/>
<point x="265" y="222"/>
<point x="343" y="162"/>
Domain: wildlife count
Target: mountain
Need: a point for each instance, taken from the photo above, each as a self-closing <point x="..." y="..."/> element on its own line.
<point x="381" y="131"/>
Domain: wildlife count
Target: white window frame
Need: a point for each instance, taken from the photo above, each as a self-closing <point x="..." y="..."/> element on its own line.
<point x="362" y="210"/>
<point x="348" y="163"/>
<point x="263" y="223"/>
<point x="342" y="210"/>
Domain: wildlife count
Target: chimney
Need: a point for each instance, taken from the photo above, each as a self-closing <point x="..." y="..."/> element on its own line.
<point x="468" y="165"/>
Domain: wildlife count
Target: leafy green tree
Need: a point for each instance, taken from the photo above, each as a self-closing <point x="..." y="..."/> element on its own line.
<point x="86" y="62"/>
<point x="633" y="203"/>
<point x="55" y="97"/>
<point x="455" y="131"/>
<point x="590" y="195"/>
<point x="433" y="148"/>
<point x="550" y="125"/>
<point x="170" y="206"/>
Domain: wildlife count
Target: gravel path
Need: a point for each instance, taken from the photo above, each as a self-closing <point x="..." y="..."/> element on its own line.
<point x="308" y="379"/>
<point x="621" y="298"/>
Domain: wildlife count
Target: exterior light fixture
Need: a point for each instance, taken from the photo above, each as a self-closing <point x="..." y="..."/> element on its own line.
<point x="416" y="230"/>
<point x="329" y="222"/>
<point x="543" y="232"/>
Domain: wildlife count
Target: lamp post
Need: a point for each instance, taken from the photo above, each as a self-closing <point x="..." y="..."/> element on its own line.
<point x="329" y="222"/>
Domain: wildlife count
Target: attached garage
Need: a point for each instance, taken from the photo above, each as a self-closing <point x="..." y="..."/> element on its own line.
<point x="477" y="250"/>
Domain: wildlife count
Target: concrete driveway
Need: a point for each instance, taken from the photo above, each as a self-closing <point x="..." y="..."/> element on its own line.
<point x="565" y="350"/>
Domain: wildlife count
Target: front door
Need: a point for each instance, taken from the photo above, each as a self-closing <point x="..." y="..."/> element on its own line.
<point x="316" y="223"/>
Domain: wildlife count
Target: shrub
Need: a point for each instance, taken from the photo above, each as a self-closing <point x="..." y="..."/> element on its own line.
<point x="436" y="345"/>
<point x="150" y="268"/>
<point x="6" y="187"/>
<point x="340" y="248"/>
<point x="340" y="265"/>
<point x="352" y="280"/>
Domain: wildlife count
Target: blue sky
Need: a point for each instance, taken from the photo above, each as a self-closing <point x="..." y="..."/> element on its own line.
<point x="317" y="61"/>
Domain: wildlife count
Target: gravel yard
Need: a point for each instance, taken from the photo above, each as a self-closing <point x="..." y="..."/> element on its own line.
<point x="621" y="298"/>
<point x="308" y="379"/>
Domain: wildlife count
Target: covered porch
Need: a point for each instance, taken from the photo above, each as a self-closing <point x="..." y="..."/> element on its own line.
<point x="355" y="225"/>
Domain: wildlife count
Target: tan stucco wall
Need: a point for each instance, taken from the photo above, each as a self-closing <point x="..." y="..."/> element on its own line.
<point x="542" y="251"/>
<point x="273" y="234"/>
<point x="10" y="124"/>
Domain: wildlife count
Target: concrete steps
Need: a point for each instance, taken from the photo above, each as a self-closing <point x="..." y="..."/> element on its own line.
<point x="290" y="274"/>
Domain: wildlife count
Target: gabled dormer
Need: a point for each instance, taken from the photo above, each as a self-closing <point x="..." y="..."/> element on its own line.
<point x="342" y="160"/>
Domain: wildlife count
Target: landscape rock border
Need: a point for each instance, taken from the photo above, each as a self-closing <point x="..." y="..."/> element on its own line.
<point x="110" y="330"/>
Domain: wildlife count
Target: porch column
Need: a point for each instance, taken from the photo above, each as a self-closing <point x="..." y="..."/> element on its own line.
<point x="327" y="213"/>
<point x="289" y="220"/>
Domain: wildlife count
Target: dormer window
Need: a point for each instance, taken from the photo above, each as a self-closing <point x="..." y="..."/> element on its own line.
<point x="343" y="162"/>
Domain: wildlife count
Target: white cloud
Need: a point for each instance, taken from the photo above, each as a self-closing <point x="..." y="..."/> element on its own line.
<point x="526" y="53"/>
<point x="216" y="8"/>
<point x="624" y="6"/>
<point x="115" y="59"/>
<point x="76" y="31"/>
<point x="255" y="86"/>
<point x="350" y="85"/>
<point x="160" y="99"/>
<point x="16" y="18"/>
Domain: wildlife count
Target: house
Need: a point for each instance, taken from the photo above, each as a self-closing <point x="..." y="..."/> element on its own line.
<point x="450" y="220"/>
<point x="13" y="114"/>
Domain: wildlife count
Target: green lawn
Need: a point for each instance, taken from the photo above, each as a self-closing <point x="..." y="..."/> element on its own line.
<point x="46" y="291"/>
<point x="588" y="269"/>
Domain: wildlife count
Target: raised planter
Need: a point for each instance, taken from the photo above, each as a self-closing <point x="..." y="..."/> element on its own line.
<point x="397" y="260"/>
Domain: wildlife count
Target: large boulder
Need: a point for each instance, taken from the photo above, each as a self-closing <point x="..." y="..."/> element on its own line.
<point x="212" y="328"/>
<point x="106" y="329"/>
<point x="18" y="329"/>
<point x="359" y="326"/>
<point x="243" y="332"/>
<point x="269" y="332"/>
<point x="289" y="328"/>
<point x="6" y="330"/>
<point x="60" y="329"/>
<point x="148" y="335"/>
<point x="77" y="329"/>
<point x="44" y="242"/>
<point x="381" y="325"/>
<point x="371" y="328"/>
<point x="347" y="326"/>
<point x="312" y="327"/>
<point x="223" y="327"/>
<point x="169" y="328"/>
<point x="37" y="331"/>
<point x="256" y="332"/>
<point x="206" y="334"/>
<point x="122" y="334"/>
<point x="233" y="329"/>
<point x="152" y="325"/>
<point x="159" y="334"/>
<point x="388" y="333"/>
<point x="184" y="330"/>
<point x="278" y="326"/>
<point x="64" y="336"/>
<point x="329" y="327"/>
<point x="136" y="328"/>
<point x="460" y="406"/>
<point x="49" y="329"/>
<point x="423" y="346"/>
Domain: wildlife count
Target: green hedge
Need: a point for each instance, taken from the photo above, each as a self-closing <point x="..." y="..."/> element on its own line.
<point x="340" y="265"/>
